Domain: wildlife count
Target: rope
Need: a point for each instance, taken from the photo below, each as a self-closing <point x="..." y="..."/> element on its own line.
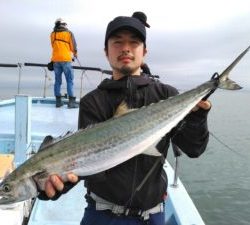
<point x="226" y="146"/>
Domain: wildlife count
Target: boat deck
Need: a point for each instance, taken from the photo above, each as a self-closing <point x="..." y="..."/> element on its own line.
<point x="45" y="120"/>
<point x="44" y="117"/>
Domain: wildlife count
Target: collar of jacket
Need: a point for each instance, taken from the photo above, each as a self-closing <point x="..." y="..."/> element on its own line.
<point x="59" y="29"/>
<point x="125" y="82"/>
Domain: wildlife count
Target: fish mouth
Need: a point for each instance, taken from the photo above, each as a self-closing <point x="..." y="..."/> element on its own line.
<point x="6" y="200"/>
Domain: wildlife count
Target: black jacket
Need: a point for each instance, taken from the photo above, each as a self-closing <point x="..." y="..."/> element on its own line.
<point x="119" y="183"/>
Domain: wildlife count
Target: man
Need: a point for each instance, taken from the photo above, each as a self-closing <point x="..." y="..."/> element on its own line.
<point x="114" y="196"/>
<point x="63" y="48"/>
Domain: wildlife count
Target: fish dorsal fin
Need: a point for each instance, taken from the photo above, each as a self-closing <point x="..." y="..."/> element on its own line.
<point x="122" y="109"/>
<point x="48" y="140"/>
<point x="67" y="134"/>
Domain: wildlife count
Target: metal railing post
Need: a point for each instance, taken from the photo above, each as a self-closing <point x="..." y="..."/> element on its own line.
<point x="19" y="77"/>
<point x="22" y="127"/>
<point x="45" y="82"/>
<point x="177" y="154"/>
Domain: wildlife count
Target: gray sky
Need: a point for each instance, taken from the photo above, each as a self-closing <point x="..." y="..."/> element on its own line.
<point x="188" y="40"/>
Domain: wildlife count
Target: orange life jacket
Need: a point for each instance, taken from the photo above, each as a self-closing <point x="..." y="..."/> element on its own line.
<point x="63" y="46"/>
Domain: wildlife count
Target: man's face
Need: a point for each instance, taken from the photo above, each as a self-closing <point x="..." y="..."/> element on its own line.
<point x="125" y="52"/>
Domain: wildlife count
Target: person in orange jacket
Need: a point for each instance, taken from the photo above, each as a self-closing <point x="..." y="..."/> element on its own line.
<point x="63" y="50"/>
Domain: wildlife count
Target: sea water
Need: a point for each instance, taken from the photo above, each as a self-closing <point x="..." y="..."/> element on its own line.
<point x="219" y="180"/>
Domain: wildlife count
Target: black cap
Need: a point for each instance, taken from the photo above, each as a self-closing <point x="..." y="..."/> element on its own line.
<point x="126" y="23"/>
<point x="142" y="17"/>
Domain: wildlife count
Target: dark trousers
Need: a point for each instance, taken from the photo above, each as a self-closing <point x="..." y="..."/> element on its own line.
<point x="105" y="217"/>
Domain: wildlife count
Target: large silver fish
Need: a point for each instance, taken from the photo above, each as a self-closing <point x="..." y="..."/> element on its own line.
<point x="109" y="143"/>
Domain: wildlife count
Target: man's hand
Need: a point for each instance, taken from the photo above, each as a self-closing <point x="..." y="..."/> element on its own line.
<point x="55" y="183"/>
<point x="206" y="105"/>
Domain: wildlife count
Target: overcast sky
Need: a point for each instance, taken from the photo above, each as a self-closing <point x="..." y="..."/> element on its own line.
<point x="188" y="40"/>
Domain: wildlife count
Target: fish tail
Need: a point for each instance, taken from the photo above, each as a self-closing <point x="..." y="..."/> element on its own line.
<point x="229" y="84"/>
<point x="223" y="80"/>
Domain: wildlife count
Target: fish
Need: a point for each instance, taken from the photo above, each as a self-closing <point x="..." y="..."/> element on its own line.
<point x="107" y="144"/>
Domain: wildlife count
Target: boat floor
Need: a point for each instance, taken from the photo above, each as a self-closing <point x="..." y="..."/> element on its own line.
<point x="45" y="118"/>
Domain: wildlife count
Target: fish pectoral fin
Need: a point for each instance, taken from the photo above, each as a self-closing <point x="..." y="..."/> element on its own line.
<point x="153" y="151"/>
<point x="40" y="178"/>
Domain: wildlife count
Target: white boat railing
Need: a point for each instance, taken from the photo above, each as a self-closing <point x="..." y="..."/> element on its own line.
<point x="46" y="76"/>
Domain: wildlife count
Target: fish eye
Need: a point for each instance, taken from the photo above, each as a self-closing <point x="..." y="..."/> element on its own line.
<point x="6" y="188"/>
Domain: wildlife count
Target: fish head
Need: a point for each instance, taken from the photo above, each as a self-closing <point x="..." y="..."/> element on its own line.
<point x="12" y="191"/>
